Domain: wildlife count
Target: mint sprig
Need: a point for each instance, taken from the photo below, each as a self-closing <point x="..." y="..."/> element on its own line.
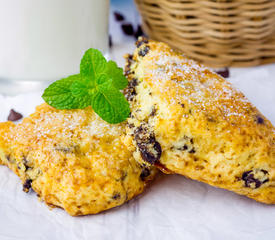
<point x="98" y="85"/>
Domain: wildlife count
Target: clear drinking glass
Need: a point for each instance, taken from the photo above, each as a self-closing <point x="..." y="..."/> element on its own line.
<point x="43" y="40"/>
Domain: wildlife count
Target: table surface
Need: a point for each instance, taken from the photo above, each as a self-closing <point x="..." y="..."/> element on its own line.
<point x="172" y="208"/>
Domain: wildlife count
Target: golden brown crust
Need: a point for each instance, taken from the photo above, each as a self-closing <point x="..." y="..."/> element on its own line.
<point x="72" y="159"/>
<point x="207" y="130"/>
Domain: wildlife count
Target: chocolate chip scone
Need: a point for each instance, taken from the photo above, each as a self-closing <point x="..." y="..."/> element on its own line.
<point x="188" y="120"/>
<point x="73" y="160"/>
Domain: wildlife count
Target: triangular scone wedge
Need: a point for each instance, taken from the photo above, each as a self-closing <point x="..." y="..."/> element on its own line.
<point x="188" y="120"/>
<point x="73" y="160"/>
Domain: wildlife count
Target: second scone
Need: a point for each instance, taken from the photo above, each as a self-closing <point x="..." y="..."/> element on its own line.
<point x="188" y="120"/>
<point x="73" y="159"/>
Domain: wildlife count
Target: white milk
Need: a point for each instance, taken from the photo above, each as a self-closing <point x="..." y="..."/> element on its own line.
<point x="44" y="40"/>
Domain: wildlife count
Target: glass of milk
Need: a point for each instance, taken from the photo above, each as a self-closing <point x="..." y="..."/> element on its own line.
<point x="44" y="40"/>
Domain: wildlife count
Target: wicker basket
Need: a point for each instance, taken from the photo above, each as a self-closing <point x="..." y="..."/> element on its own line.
<point x="218" y="33"/>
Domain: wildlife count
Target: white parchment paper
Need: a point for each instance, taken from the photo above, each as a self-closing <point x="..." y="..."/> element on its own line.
<point x="172" y="208"/>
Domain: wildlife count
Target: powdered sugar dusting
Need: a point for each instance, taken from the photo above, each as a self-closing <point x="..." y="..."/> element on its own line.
<point x="62" y="127"/>
<point x="187" y="81"/>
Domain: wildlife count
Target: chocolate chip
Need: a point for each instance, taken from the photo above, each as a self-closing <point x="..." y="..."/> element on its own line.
<point x="18" y="166"/>
<point x="26" y="163"/>
<point x="260" y="120"/>
<point x="14" y="116"/>
<point x="116" y="196"/>
<point x="147" y="154"/>
<point x="142" y="52"/>
<point x="127" y="70"/>
<point x="129" y="94"/>
<point x="131" y="125"/>
<point x="118" y="16"/>
<point x="133" y="83"/>
<point x="127" y="29"/>
<point x="130" y="91"/>
<point x="182" y="105"/>
<point x="123" y="176"/>
<point x="10" y="159"/>
<point x="192" y="150"/>
<point x="153" y="111"/>
<point x="139" y="32"/>
<point x="27" y="185"/>
<point x="140" y="41"/>
<point x="149" y="148"/>
<point x="183" y="148"/>
<point x="252" y="181"/>
<point x="110" y="41"/>
<point x="223" y="72"/>
<point x="144" y="174"/>
<point x="129" y="58"/>
<point x="130" y="61"/>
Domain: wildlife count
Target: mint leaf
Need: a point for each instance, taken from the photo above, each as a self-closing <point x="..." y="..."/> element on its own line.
<point x="81" y="94"/>
<point x="103" y="78"/>
<point x="110" y="104"/>
<point x="98" y="85"/>
<point x="116" y="74"/>
<point x="78" y="89"/>
<point x="92" y="64"/>
<point x="59" y="94"/>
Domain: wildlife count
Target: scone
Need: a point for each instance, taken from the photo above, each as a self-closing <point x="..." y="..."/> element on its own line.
<point x="73" y="160"/>
<point x="188" y="120"/>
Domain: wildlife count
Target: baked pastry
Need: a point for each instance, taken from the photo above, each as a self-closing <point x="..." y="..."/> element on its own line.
<point x="73" y="160"/>
<point x="188" y="120"/>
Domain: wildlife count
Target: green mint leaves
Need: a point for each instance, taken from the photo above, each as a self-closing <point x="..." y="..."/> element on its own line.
<point x="98" y="85"/>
